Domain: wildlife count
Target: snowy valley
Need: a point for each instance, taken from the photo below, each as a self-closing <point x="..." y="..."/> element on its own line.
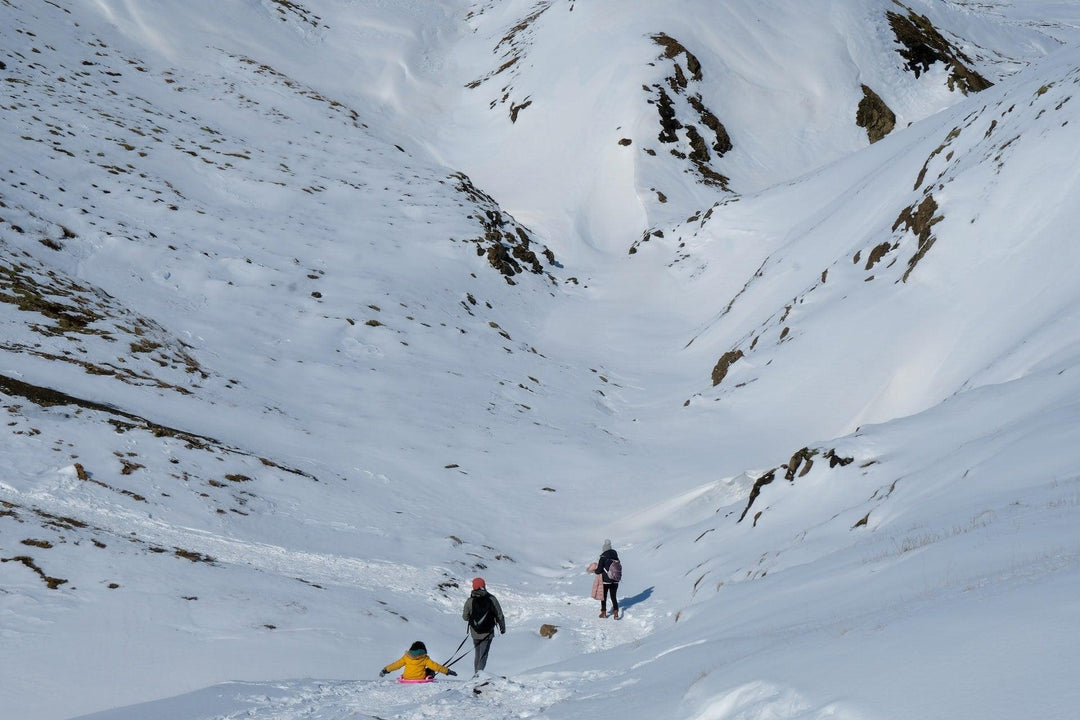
<point x="315" y="310"/>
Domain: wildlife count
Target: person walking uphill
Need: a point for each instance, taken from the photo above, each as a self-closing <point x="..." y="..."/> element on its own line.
<point x="609" y="568"/>
<point x="418" y="666"/>
<point x="483" y="612"/>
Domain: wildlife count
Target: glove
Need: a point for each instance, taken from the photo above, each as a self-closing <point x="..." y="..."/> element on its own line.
<point x="382" y="672"/>
<point x="502" y="631"/>
<point x="451" y="673"/>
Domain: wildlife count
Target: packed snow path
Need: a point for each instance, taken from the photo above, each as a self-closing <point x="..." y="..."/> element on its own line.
<point x="489" y="696"/>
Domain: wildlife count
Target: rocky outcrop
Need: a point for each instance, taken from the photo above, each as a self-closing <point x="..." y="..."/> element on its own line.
<point x="874" y="115"/>
<point x="798" y="466"/>
<point x="507" y="245"/>
<point x="920" y="220"/>
<point x="720" y="370"/>
<point x="697" y="128"/>
<point x="922" y="45"/>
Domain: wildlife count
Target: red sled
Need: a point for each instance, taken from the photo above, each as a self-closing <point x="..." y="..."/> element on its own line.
<point x="403" y="681"/>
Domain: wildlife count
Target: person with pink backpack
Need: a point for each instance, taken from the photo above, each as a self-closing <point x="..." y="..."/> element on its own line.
<point x="609" y="568"/>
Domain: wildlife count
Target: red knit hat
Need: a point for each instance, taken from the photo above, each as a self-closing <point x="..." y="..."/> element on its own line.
<point x="478" y="583"/>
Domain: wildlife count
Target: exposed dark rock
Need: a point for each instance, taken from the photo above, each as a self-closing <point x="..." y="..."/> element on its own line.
<point x="919" y="220"/>
<point x="874" y="115"/>
<point x="805" y="455"/>
<point x="835" y="459"/>
<point x="30" y="295"/>
<point x="722" y="142"/>
<point x="505" y="243"/>
<point x="923" y="45"/>
<point x="51" y="582"/>
<point x="877" y="253"/>
<point x="720" y="370"/>
<point x="699" y="151"/>
<point x="678" y="84"/>
<point x="953" y="134"/>
<point x="711" y="177"/>
<point x="668" y="122"/>
<point x="288" y="7"/>
<point x="756" y="490"/>
<point x="673" y="48"/>
<point x="499" y="258"/>
<point x="515" y="109"/>
<point x="193" y="556"/>
<point x="798" y="466"/>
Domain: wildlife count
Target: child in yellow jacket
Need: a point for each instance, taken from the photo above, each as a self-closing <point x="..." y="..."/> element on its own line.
<point x="417" y="664"/>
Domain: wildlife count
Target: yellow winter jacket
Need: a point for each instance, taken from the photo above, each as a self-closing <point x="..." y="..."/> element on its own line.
<point x="416" y="667"/>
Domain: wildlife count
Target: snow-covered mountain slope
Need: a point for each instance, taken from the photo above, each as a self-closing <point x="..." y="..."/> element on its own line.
<point x="944" y="260"/>
<point x="315" y="310"/>
<point x="593" y="114"/>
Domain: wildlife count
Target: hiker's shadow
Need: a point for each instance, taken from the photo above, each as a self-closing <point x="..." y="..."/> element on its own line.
<point x="640" y="597"/>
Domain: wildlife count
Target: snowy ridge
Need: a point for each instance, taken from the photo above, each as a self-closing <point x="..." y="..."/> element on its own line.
<point x="649" y="95"/>
<point x="315" y="310"/>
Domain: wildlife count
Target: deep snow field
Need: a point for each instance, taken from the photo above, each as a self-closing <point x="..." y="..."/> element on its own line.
<point x="314" y="310"/>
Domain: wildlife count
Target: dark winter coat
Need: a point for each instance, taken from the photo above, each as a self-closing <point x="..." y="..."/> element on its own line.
<point x="466" y="613"/>
<point x="604" y="563"/>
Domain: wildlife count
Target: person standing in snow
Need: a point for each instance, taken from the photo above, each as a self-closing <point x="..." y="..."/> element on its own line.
<point x="483" y="612"/>
<point x="609" y="568"/>
<point x="418" y="666"/>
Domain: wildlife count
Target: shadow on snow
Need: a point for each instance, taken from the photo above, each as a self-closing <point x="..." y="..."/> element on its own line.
<point x="639" y="598"/>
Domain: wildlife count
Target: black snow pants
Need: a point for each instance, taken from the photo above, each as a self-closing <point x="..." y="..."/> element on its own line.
<point x="611" y="589"/>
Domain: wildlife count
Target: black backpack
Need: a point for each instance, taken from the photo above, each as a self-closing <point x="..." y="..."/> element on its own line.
<point x="482" y="614"/>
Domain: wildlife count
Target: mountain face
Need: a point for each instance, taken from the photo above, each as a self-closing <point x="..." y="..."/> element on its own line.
<point x="315" y="310"/>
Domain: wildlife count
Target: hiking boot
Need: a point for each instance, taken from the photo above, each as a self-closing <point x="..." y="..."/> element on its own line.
<point x="616" y="615"/>
<point x="603" y="613"/>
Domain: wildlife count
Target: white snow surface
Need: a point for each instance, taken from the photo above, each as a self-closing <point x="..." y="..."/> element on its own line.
<point x="271" y="405"/>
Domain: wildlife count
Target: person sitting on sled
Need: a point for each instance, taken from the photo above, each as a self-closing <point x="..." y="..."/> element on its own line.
<point x="417" y="664"/>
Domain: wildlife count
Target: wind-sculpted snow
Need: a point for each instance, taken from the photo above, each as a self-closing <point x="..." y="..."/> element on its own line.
<point x="870" y="268"/>
<point x="316" y="310"/>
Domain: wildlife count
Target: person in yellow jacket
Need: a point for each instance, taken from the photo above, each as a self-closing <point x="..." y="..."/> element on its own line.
<point x="417" y="664"/>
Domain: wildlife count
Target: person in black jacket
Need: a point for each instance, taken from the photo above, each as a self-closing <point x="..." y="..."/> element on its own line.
<point x="611" y="584"/>
<point x="483" y="612"/>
